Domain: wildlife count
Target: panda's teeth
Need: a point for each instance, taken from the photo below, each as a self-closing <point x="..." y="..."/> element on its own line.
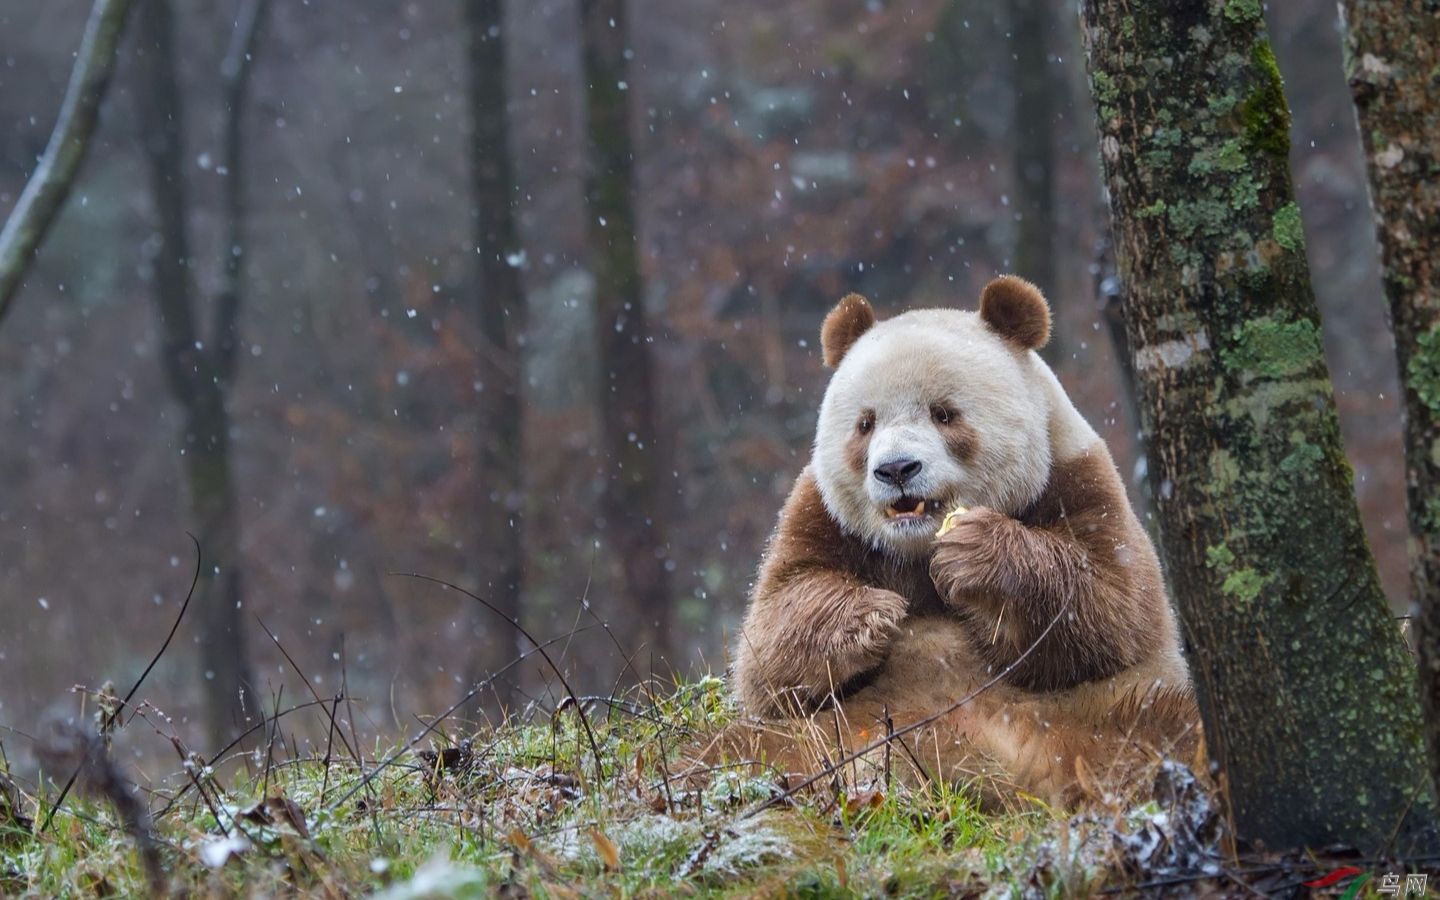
<point x="920" y="508"/>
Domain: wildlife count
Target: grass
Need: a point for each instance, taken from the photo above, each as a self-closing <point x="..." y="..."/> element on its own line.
<point x="527" y="809"/>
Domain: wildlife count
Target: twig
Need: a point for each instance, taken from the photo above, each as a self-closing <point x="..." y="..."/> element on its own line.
<point x="329" y="744"/>
<point x="110" y="719"/>
<point x="270" y="743"/>
<point x="354" y="752"/>
<point x="579" y="710"/>
<point x="231" y="746"/>
<point x="355" y="731"/>
<point x="174" y="627"/>
<point x="469" y="695"/>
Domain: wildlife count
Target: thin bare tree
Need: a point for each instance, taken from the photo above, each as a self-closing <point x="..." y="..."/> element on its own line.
<point x="500" y="307"/>
<point x="200" y="370"/>
<point x="634" y="449"/>
<point x="50" y="183"/>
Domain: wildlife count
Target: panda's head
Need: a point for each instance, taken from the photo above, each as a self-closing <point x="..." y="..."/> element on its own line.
<point x="930" y="409"/>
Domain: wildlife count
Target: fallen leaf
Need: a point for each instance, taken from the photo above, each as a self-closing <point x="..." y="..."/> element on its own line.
<point x="278" y="810"/>
<point x="526" y="847"/>
<point x="448" y="759"/>
<point x="609" y="853"/>
<point x="857" y="801"/>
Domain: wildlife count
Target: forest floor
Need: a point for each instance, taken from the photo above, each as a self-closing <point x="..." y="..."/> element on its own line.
<point x="521" y="810"/>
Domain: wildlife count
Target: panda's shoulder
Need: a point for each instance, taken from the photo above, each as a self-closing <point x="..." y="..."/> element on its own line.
<point x="808" y="531"/>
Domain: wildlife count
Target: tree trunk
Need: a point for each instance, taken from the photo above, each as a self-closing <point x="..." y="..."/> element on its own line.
<point x="50" y="183"/>
<point x="197" y="380"/>
<point x="502" y="315"/>
<point x="229" y="691"/>
<point x="1034" y="136"/>
<point x="1393" y="63"/>
<point x="635" y="452"/>
<point x="235" y="88"/>
<point x="1306" y="690"/>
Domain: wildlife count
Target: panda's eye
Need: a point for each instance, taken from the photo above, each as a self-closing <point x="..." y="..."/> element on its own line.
<point x="941" y="414"/>
<point x="866" y="423"/>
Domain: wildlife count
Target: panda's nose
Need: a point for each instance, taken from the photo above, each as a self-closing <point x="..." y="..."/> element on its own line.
<point x="898" y="472"/>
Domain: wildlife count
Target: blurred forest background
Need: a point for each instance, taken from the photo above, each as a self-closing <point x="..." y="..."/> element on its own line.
<point x="784" y="154"/>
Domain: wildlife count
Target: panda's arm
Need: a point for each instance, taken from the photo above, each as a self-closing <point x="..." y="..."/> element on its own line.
<point x="807" y="636"/>
<point x="1077" y="559"/>
<point x="813" y="623"/>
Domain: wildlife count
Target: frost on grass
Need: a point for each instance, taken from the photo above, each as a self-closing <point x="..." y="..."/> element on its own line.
<point x="751" y="843"/>
<point x="439" y="876"/>
<point x="716" y="848"/>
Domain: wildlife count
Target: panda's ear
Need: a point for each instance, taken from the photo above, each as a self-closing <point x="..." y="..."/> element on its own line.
<point x="1016" y="310"/>
<point x="850" y="318"/>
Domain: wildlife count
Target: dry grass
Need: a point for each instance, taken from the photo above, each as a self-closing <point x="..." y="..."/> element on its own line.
<point x="537" y="808"/>
<point x="590" y="796"/>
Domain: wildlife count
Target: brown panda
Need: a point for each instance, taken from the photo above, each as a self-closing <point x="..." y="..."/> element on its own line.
<point x="858" y="600"/>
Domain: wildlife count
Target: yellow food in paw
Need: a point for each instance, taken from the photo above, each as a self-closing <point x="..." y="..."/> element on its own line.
<point x="952" y="518"/>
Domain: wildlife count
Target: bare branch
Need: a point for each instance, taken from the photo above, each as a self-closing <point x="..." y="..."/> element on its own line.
<point x="53" y="177"/>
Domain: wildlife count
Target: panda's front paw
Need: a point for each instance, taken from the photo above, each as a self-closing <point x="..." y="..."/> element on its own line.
<point x="864" y="640"/>
<point x="968" y="557"/>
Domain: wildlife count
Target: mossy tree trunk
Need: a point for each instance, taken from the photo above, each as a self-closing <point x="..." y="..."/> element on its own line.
<point x="500" y="469"/>
<point x="199" y="372"/>
<point x="1305" y="687"/>
<point x="1393" y="61"/>
<point x="636" y="453"/>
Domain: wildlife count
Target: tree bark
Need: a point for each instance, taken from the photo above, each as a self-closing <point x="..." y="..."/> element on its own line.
<point x="635" y="451"/>
<point x="235" y="88"/>
<point x="1306" y="690"/>
<point x="1393" y="62"/>
<point x="1034" y="136"/>
<point x="502" y="317"/>
<point x="50" y="183"/>
<point x="198" y="374"/>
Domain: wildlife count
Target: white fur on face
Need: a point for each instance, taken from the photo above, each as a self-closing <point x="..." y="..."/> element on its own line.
<point x="898" y="370"/>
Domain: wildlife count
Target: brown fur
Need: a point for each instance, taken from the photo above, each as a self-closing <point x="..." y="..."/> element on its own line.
<point x="830" y="617"/>
<point x="1077" y="547"/>
<point x="961" y="439"/>
<point x="1004" y="746"/>
<point x="850" y="318"/>
<point x="826" y="604"/>
<point x="1016" y="310"/>
<point x="1056" y="597"/>
<point x="824" y="610"/>
<point x="857" y="448"/>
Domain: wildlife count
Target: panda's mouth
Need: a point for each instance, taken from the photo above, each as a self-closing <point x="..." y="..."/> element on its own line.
<point x="910" y="509"/>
